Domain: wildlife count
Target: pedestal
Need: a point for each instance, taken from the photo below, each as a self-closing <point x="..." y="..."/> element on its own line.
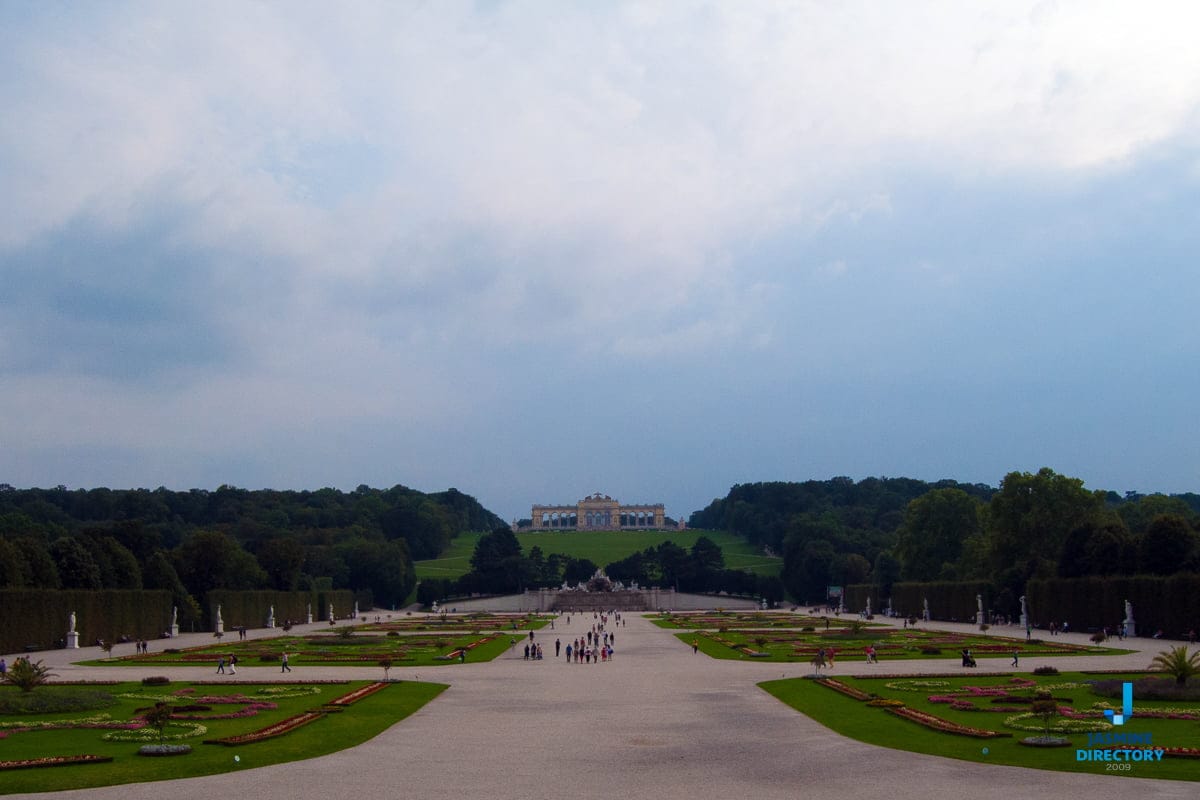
<point x="72" y="640"/>
<point x="308" y="618"/>
<point x="978" y="617"/>
<point x="175" y="631"/>
<point x="220" y="626"/>
<point x="1130" y="628"/>
<point x="1025" y="621"/>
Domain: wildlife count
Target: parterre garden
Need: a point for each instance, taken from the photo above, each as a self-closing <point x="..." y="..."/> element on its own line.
<point x="67" y="736"/>
<point x="787" y="638"/>
<point x="422" y="641"/>
<point x="984" y="717"/>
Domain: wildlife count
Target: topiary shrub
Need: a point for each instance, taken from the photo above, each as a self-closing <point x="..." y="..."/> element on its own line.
<point x="1047" y="670"/>
<point x="270" y="658"/>
<point x="155" y="680"/>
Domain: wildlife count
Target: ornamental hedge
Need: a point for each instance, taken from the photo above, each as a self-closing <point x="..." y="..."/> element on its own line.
<point x="39" y="618"/>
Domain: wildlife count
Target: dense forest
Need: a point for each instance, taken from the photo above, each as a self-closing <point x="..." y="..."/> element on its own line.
<point x="881" y="530"/>
<point x="192" y="542"/>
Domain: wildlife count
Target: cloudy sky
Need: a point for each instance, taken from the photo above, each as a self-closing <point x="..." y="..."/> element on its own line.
<point x="537" y="250"/>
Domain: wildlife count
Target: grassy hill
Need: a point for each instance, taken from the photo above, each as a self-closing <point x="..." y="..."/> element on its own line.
<point x="603" y="547"/>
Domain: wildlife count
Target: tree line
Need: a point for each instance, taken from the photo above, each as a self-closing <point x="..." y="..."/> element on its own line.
<point x="499" y="566"/>
<point x="1034" y="525"/>
<point x="195" y="541"/>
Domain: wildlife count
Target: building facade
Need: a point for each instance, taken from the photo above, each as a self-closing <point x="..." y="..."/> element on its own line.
<point x="599" y="512"/>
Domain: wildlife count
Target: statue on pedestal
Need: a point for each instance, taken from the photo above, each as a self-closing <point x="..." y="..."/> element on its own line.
<point x="925" y="611"/>
<point x="72" y="634"/>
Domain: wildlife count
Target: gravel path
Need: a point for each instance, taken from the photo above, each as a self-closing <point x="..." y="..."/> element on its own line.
<point x="656" y="722"/>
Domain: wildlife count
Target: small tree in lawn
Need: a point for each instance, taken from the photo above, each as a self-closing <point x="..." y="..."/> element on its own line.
<point x="106" y="644"/>
<point x="1045" y="707"/>
<point x="27" y="675"/>
<point x="984" y="627"/>
<point x="386" y="663"/>
<point x="159" y="718"/>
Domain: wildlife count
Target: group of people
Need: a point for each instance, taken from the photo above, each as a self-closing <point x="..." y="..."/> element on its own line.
<point x="232" y="662"/>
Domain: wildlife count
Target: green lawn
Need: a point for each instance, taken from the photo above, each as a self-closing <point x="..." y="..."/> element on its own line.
<point x="855" y="719"/>
<point x="329" y="733"/>
<point x="603" y="548"/>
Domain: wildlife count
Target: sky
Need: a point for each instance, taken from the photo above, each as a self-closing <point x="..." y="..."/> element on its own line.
<point x="536" y="250"/>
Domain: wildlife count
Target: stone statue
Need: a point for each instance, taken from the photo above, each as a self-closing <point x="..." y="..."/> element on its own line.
<point x="271" y="617"/>
<point x="331" y="617"/>
<point x="72" y="634"/>
<point x="1128" y="612"/>
<point x="868" y="605"/>
<point x="1023" y="612"/>
<point x="979" y="603"/>
<point x="220" y="621"/>
<point x="925" y="612"/>
<point x="174" y="616"/>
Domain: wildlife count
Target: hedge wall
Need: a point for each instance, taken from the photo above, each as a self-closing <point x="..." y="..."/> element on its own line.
<point x="951" y="601"/>
<point x="1170" y="604"/>
<point x="40" y="618"/>
<point x="251" y="608"/>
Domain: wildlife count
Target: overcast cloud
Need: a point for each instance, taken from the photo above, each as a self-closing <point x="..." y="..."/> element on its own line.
<point x="536" y="250"/>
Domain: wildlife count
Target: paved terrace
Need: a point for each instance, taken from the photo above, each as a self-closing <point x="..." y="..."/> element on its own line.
<point x="656" y="722"/>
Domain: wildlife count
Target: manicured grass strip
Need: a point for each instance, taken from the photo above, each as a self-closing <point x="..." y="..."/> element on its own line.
<point x="938" y="724"/>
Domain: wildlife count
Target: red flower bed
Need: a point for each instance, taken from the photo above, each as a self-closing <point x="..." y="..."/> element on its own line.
<point x="357" y="694"/>
<point x="54" y="761"/>
<point x="849" y="691"/>
<point x="943" y="725"/>
<point x="278" y="729"/>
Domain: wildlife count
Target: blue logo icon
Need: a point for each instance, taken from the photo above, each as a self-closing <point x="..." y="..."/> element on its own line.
<point x="1126" y="705"/>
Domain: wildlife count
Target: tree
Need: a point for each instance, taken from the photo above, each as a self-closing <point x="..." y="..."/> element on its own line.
<point x="1178" y="664"/>
<point x="935" y="526"/>
<point x="1029" y="519"/>
<point x="209" y="560"/>
<point x="282" y="559"/>
<point x="75" y="564"/>
<point x="14" y="572"/>
<point x="43" y="572"/>
<point x="1097" y="547"/>
<point x="1166" y="545"/>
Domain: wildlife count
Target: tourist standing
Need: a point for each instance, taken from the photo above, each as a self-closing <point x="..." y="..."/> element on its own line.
<point x="557" y="646"/>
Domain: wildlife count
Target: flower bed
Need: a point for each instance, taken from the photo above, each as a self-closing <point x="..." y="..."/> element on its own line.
<point x="54" y="761"/>
<point x="944" y="725"/>
<point x="278" y="729"/>
<point x="838" y="686"/>
<point x="357" y="694"/>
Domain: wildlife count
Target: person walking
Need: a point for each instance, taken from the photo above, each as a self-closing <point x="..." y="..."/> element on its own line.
<point x="283" y="663"/>
<point x="1016" y="656"/>
<point x="695" y="646"/>
<point x="221" y="665"/>
<point x="232" y="665"/>
<point x="557" y="647"/>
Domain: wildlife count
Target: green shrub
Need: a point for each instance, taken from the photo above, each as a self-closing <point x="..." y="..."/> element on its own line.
<point x="1047" y="670"/>
<point x="54" y="700"/>
<point x="155" y="680"/>
<point x="270" y="658"/>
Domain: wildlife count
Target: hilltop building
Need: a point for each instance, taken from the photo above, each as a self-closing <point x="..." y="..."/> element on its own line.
<point x="599" y="512"/>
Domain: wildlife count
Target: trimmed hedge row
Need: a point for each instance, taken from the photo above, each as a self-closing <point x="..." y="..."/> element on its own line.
<point x="40" y="618"/>
<point x="948" y="600"/>
<point x="1170" y="604"/>
<point x="251" y="608"/>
